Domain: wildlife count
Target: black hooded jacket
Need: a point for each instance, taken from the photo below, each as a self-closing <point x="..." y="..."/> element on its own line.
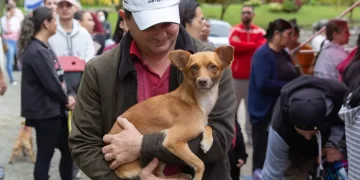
<point x="332" y="89"/>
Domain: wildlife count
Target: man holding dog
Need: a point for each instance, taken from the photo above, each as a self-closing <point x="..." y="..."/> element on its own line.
<point x="137" y="69"/>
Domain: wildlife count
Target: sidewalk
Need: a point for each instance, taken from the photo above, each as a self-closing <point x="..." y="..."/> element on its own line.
<point x="22" y="168"/>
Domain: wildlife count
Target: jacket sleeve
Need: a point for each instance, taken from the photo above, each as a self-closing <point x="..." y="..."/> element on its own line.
<point x="85" y="139"/>
<point x="240" y="46"/>
<point x="221" y="120"/>
<point x="276" y="157"/>
<point x="240" y="149"/>
<point x="45" y="71"/>
<point x="262" y="67"/>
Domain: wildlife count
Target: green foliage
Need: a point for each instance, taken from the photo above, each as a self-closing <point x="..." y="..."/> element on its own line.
<point x="254" y="3"/>
<point x="275" y="7"/>
<point x="290" y="6"/>
<point x="313" y="2"/>
<point x="335" y="2"/>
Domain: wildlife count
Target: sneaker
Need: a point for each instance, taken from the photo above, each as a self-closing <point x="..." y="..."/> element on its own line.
<point x="14" y="83"/>
<point x="2" y="172"/>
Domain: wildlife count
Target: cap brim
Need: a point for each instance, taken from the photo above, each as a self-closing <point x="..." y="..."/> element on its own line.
<point x="148" y="18"/>
<point x="71" y="2"/>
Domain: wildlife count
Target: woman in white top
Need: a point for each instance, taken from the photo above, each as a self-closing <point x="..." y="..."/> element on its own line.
<point x="10" y="26"/>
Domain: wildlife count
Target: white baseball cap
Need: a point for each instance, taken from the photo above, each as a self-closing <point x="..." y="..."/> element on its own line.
<point x="73" y="2"/>
<point x="150" y="12"/>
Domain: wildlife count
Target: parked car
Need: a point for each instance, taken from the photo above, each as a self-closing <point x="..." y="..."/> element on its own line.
<point x="219" y="32"/>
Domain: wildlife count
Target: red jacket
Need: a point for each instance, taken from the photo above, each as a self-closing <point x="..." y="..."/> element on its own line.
<point x="250" y="40"/>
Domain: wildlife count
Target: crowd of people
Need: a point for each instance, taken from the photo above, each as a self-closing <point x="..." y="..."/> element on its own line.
<point x="301" y="109"/>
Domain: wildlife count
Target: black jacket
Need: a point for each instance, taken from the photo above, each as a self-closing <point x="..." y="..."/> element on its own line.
<point x="332" y="89"/>
<point x="42" y="95"/>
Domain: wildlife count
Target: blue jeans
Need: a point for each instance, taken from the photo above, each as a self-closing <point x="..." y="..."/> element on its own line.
<point x="10" y="54"/>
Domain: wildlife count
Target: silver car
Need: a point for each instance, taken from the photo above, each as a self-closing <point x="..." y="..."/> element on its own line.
<point x="219" y="32"/>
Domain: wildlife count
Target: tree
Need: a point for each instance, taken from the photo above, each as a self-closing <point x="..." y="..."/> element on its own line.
<point x="224" y="5"/>
<point x="2" y="7"/>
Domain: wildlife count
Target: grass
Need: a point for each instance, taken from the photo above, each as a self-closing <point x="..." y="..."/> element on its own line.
<point x="306" y="15"/>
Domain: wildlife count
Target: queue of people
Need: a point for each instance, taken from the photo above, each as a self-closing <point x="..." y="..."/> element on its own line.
<point x="295" y="105"/>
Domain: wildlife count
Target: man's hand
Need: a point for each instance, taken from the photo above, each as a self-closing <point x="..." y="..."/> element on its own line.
<point x="123" y="147"/>
<point x="71" y="103"/>
<point x="240" y="163"/>
<point x="332" y="154"/>
<point x="147" y="172"/>
<point x="3" y="86"/>
<point x="236" y="39"/>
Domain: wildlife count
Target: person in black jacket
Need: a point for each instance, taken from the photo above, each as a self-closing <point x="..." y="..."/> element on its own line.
<point x="44" y="94"/>
<point x="305" y="126"/>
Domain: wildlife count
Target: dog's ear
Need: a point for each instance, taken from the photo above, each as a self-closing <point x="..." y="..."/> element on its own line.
<point x="226" y="55"/>
<point x="179" y="58"/>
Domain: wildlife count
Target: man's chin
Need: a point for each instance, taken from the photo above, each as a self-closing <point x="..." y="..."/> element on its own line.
<point x="159" y="49"/>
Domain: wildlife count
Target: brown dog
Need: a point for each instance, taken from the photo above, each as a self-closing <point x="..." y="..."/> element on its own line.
<point x="182" y="114"/>
<point x="23" y="144"/>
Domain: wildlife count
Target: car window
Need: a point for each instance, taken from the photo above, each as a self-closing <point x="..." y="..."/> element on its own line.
<point x="219" y="30"/>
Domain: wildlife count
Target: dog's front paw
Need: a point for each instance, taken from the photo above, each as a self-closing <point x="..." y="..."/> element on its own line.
<point x="206" y="143"/>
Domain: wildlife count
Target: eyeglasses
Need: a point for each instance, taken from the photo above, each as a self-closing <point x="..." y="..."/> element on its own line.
<point x="246" y="12"/>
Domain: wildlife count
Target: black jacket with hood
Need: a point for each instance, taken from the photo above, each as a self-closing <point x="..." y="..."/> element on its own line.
<point x="332" y="89"/>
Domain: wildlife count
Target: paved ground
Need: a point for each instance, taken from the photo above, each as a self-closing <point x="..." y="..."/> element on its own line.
<point x="22" y="168"/>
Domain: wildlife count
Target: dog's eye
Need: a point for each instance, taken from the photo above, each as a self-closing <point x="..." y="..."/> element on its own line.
<point x="194" y="67"/>
<point x="212" y="66"/>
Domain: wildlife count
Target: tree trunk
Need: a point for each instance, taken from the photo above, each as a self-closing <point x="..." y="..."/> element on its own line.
<point x="223" y="10"/>
<point x="2" y="7"/>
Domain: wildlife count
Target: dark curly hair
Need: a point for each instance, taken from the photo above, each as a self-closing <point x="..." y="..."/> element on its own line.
<point x="32" y="24"/>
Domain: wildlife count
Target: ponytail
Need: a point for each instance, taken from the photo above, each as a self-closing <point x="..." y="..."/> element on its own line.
<point x="26" y="33"/>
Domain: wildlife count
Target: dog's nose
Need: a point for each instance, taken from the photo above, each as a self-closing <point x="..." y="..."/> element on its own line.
<point x="202" y="82"/>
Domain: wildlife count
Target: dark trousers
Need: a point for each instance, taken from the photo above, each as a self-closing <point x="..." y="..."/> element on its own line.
<point x="260" y="139"/>
<point x="50" y="134"/>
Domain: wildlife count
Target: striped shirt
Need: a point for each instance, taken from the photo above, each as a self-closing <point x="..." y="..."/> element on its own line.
<point x="351" y="117"/>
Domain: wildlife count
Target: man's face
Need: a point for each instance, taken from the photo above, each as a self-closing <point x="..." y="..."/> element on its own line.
<point x="157" y="39"/>
<point x="65" y="10"/>
<point x="247" y="14"/>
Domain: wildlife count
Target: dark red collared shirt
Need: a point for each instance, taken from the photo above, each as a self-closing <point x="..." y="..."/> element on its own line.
<point x="151" y="84"/>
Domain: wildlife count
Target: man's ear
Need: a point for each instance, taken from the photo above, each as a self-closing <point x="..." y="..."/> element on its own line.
<point x="226" y="55"/>
<point x="179" y="58"/>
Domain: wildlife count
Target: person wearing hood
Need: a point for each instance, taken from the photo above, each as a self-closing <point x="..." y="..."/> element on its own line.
<point x="71" y="39"/>
<point x="305" y="126"/>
